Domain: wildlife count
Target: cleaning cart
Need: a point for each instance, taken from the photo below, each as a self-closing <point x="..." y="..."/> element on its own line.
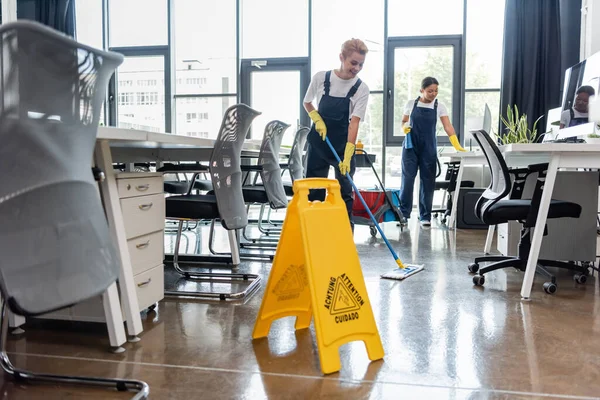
<point x="384" y="204"/>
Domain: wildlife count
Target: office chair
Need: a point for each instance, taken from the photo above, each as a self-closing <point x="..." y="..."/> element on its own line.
<point x="493" y="209"/>
<point x="270" y="191"/>
<point x="295" y="165"/>
<point x="225" y="203"/>
<point x="55" y="243"/>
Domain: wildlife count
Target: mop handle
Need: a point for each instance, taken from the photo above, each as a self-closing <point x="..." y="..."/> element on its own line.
<point x="363" y="202"/>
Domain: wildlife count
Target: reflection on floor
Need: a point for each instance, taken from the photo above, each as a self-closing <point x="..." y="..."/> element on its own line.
<point x="443" y="337"/>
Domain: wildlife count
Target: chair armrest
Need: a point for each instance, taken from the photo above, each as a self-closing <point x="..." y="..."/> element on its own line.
<point x="169" y="167"/>
<point x="538" y="167"/>
<point x="520" y="178"/>
<point x="248" y="168"/>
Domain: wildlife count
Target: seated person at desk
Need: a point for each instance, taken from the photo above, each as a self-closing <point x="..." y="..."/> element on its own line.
<point x="578" y="114"/>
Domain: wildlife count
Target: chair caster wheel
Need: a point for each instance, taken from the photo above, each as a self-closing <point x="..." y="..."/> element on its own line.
<point x="478" y="280"/>
<point x="443" y="220"/>
<point x="434" y="215"/>
<point x="474" y="267"/>
<point x="373" y="231"/>
<point x="579" y="278"/>
<point x="550" y="287"/>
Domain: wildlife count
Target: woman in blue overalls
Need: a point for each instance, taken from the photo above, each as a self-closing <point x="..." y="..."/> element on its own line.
<point x="342" y="102"/>
<point x="419" y="151"/>
<point x="578" y="114"/>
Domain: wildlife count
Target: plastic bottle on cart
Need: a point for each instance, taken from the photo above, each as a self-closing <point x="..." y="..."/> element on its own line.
<point x="359" y="147"/>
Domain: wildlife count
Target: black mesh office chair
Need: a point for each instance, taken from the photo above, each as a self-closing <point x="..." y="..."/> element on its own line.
<point x="492" y="208"/>
<point x="55" y="243"/>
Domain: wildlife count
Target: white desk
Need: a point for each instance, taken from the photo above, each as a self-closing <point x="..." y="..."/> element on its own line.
<point x="130" y="145"/>
<point x="557" y="155"/>
<point x="127" y="145"/>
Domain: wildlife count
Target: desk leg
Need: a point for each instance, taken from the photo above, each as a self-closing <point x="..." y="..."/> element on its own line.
<point x="453" y="212"/>
<point x="114" y="318"/>
<point x="112" y="206"/>
<point x="538" y="233"/>
<point x="489" y="239"/>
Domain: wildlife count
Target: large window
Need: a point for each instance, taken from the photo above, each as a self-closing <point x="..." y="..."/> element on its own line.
<point x="274" y="28"/>
<point x="205" y="64"/>
<point x="138" y="22"/>
<point x="334" y="22"/>
<point x="421" y="18"/>
<point x="485" y="30"/>
<point x="201" y="116"/>
<point x="88" y="14"/>
<point x="205" y="47"/>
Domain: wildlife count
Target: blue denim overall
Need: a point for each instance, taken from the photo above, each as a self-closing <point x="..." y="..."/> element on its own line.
<point x="419" y="152"/>
<point x="335" y="112"/>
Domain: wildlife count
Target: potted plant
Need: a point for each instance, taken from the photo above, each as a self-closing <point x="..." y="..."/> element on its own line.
<point x="592" y="138"/>
<point x="517" y="128"/>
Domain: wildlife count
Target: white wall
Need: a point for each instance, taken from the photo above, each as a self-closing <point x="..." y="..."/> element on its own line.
<point x="590" y="28"/>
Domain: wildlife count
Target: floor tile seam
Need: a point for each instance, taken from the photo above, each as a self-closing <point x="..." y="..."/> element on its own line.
<point x="308" y="377"/>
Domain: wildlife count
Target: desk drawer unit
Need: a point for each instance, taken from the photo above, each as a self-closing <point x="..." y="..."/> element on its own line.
<point x="129" y="186"/>
<point x="143" y="214"/>
<point x="146" y="251"/>
<point x="143" y="206"/>
<point x="150" y="286"/>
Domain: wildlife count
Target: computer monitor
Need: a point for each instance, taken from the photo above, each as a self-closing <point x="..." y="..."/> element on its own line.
<point x="587" y="72"/>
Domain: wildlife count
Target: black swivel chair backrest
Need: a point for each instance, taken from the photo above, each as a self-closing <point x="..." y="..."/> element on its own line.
<point x="54" y="239"/>
<point x="268" y="159"/>
<point x="225" y="170"/>
<point x="500" y="185"/>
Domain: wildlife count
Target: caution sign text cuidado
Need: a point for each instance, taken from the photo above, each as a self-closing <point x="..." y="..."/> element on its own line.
<point x="316" y="269"/>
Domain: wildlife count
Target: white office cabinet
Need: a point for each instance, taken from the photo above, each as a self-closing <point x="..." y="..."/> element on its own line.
<point x="568" y="239"/>
<point x="143" y="205"/>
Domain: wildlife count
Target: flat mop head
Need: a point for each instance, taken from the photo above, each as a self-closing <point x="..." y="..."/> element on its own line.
<point x="402" y="273"/>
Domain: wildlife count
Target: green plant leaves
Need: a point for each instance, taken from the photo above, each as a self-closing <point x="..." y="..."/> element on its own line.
<point x="517" y="128"/>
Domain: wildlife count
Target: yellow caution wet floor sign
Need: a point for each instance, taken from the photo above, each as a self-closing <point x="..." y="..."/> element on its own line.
<point x="316" y="270"/>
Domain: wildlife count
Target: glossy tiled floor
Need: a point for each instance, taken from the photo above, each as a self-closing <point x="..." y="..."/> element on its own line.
<point x="443" y="338"/>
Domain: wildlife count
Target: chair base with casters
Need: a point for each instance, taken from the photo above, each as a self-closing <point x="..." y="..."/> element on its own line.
<point x="520" y="262"/>
<point x="20" y="375"/>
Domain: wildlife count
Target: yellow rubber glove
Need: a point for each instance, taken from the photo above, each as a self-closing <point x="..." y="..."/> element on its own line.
<point x="348" y="153"/>
<point x="455" y="144"/>
<point x="406" y="129"/>
<point x="319" y="123"/>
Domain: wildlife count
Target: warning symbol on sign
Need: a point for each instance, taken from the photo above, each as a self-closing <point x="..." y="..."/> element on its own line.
<point x="342" y="300"/>
<point x="291" y="283"/>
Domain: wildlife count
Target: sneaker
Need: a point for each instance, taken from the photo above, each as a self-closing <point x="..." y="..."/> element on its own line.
<point x="425" y="223"/>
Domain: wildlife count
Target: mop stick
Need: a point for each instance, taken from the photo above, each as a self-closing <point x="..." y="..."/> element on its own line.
<point x="400" y="265"/>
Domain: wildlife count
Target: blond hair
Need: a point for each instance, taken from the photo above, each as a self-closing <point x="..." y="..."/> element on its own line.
<point x="354" y="45"/>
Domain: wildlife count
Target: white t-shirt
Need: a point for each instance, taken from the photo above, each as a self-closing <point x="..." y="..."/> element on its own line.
<point x="339" y="88"/>
<point x="565" y="117"/>
<point x="442" y="111"/>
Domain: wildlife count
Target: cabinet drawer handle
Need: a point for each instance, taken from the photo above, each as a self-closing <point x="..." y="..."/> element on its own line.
<point x="145" y="207"/>
<point x="143" y="188"/>
<point x="143" y="245"/>
<point x="141" y="284"/>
